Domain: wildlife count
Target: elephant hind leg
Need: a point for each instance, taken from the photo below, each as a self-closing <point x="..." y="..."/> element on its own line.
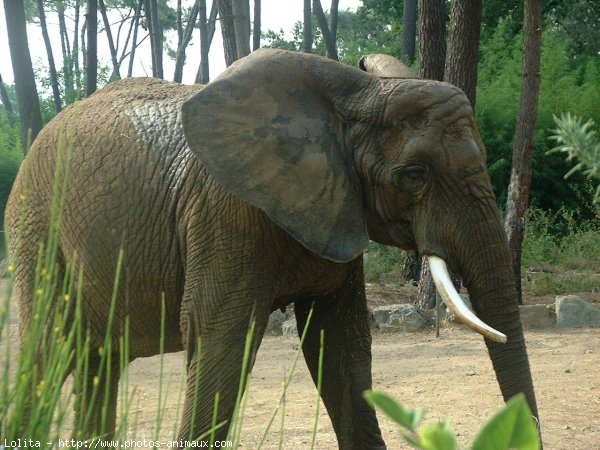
<point x="37" y="292"/>
<point x="97" y="387"/>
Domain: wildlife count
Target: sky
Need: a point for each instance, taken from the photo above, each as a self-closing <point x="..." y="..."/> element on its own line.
<point x="276" y="15"/>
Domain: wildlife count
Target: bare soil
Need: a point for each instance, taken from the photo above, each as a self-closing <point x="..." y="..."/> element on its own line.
<point x="450" y="376"/>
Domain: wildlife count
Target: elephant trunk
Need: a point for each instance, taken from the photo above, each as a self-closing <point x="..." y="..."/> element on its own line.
<point x="488" y="275"/>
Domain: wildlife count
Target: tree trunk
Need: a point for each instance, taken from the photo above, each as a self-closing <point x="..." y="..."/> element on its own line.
<point x="65" y="47"/>
<point x="328" y="37"/>
<point x="83" y="45"/>
<point x="116" y="75"/>
<point x="6" y="103"/>
<point x="179" y="22"/>
<point x="186" y="37"/>
<point x="203" y="71"/>
<point x="27" y="95"/>
<point x="91" y="66"/>
<point x="520" y="179"/>
<point x="136" y="26"/>
<point x="155" y="31"/>
<point x="463" y="46"/>
<point x="207" y="31"/>
<point x="132" y="24"/>
<point x="257" y="26"/>
<point x="426" y="290"/>
<point x="157" y="39"/>
<point x="51" y="66"/>
<point x="411" y="267"/>
<point x="409" y="29"/>
<point x="241" y="22"/>
<point x="228" y="31"/>
<point x="432" y="43"/>
<point x="64" y="40"/>
<point x="149" y="26"/>
<point x="73" y="86"/>
<point x="333" y="13"/>
<point x="307" y="35"/>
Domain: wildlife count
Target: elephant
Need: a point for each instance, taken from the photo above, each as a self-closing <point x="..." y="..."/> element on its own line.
<point x="259" y="190"/>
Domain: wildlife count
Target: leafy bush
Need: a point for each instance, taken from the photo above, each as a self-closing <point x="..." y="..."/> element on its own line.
<point x="10" y="160"/>
<point x="513" y="427"/>
<point x="560" y="253"/>
<point x="580" y="143"/>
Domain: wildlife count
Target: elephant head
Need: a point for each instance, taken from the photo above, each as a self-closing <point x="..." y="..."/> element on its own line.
<point x="337" y="156"/>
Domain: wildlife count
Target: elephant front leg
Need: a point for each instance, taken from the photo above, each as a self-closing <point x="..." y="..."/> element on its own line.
<point x="347" y="361"/>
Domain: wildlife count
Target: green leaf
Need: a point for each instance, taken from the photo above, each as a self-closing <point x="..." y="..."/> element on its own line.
<point x="438" y="436"/>
<point x="405" y="417"/>
<point x="513" y="427"/>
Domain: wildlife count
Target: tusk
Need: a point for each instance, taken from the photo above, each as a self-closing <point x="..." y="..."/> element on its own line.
<point x="444" y="285"/>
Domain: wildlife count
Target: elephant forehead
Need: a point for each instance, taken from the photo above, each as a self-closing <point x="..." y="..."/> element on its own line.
<point x="433" y="102"/>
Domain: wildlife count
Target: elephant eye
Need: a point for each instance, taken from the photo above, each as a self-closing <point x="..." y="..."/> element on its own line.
<point x="411" y="177"/>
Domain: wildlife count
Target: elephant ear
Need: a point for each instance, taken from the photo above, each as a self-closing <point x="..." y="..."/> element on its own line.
<point x="270" y="130"/>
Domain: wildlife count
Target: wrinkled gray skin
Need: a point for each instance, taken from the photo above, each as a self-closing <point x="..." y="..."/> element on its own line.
<point x="289" y="165"/>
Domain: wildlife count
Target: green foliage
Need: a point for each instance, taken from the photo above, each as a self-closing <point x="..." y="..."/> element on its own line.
<point x="580" y="143"/>
<point x="406" y="418"/>
<point x="567" y="83"/>
<point x="509" y="12"/>
<point x="10" y="160"/>
<point x="560" y="253"/>
<point x="577" y="22"/>
<point x="363" y="33"/>
<point x="513" y="427"/>
<point x="382" y="263"/>
<point x="359" y="33"/>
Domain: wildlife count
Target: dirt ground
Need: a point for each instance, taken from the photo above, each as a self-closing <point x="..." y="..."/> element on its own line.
<point x="450" y="376"/>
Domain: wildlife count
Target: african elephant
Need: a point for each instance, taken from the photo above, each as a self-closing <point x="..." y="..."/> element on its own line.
<point x="260" y="190"/>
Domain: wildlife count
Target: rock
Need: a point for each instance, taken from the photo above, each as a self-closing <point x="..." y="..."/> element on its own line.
<point x="573" y="311"/>
<point x="382" y="313"/>
<point x="276" y="319"/>
<point x="402" y="317"/>
<point x="536" y="316"/>
<point x="471" y="373"/>
<point x="289" y="328"/>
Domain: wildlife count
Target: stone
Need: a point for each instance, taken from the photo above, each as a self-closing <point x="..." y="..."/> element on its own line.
<point x="573" y="311"/>
<point x="382" y="313"/>
<point x="276" y="319"/>
<point x="401" y="317"/>
<point x="289" y="328"/>
<point x="537" y="316"/>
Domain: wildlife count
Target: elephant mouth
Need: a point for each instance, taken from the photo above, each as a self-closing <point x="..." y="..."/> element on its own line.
<point x="444" y="285"/>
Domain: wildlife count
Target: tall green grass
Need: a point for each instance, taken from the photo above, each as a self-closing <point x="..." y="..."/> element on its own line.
<point x="66" y="344"/>
<point x="560" y="254"/>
